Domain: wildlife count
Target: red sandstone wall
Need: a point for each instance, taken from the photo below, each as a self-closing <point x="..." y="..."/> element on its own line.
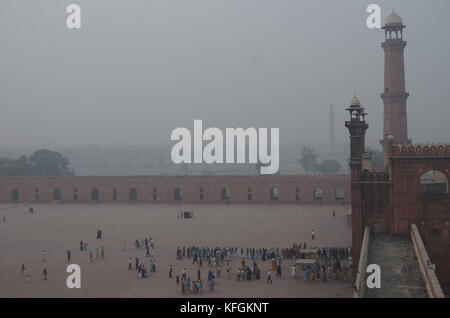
<point x="438" y="248"/>
<point x="408" y="206"/>
<point x="376" y="206"/>
<point x="392" y="203"/>
<point x="432" y="215"/>
<point x="165" y="186"/>
<point x="434" y="288"/>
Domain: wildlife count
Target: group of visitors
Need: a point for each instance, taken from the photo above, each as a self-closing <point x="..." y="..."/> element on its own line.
<point x="201" y="254"/>
<point x="189" y="286"/>
<point x="332" y="263"/>
<point x="83" y="246"/>
<point x="301" y="250"/>
<point x="44" y="270"/>
<point x="330" y="270"/>
<point x="148" y="243"/>
<point x="247" y="272"/>
<point x="142" y="271"/>
<point x="194" y="287"/>
<point x="140" y="266"/>
<point x="99" y="252"/>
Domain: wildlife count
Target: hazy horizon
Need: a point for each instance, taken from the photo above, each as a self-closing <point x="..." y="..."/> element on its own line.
<point x="137" y="70"/>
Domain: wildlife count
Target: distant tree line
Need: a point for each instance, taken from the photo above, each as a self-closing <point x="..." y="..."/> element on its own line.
<point x="308" y="160"/>
<point x="42" y="162"/>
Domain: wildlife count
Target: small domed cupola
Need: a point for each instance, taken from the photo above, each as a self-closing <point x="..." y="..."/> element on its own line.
<point x="393" y="19"/>
<point x="355" y="102"/>
<point x="355" y="109"/>
<point x="394" y="27"/>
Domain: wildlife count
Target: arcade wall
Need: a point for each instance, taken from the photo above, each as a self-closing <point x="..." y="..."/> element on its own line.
<point x="283" y="189"/>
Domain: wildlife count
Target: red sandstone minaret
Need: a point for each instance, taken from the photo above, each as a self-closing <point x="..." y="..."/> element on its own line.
<point x="357" y="127"/>
<point x="394" y="95"/>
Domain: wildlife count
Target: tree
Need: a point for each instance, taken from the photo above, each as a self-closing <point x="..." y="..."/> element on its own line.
<point x="308" y="160"/>
<point x="49" y="163"/>
<point x="377" y="157"/>
<point x="14" y="167"/>
<point x="330" y="166"/>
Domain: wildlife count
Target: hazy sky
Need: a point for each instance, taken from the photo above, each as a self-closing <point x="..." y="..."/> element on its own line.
<point x="137" y="69"/>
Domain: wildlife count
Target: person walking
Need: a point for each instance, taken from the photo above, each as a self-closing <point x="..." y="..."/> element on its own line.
<point x="293" y="272"/>
<point x="188" y="285"/>
<point x="269" y="276"/>
<point x="279" y="270"/>
<point x="183" y="288"/>
<point x="195" y="259"/>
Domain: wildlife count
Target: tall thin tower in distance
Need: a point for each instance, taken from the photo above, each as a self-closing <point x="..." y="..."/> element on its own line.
<point x="332" y="138"/>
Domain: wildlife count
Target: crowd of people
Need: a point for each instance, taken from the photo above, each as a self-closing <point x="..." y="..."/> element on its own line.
<point x="301" y="250"/>
<point x="213" y="255"/>
<point x="149" y="244"/>
<point x="330" y="263"/>
<point x="218" y="256"/>
<point x="192" y="286"/>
